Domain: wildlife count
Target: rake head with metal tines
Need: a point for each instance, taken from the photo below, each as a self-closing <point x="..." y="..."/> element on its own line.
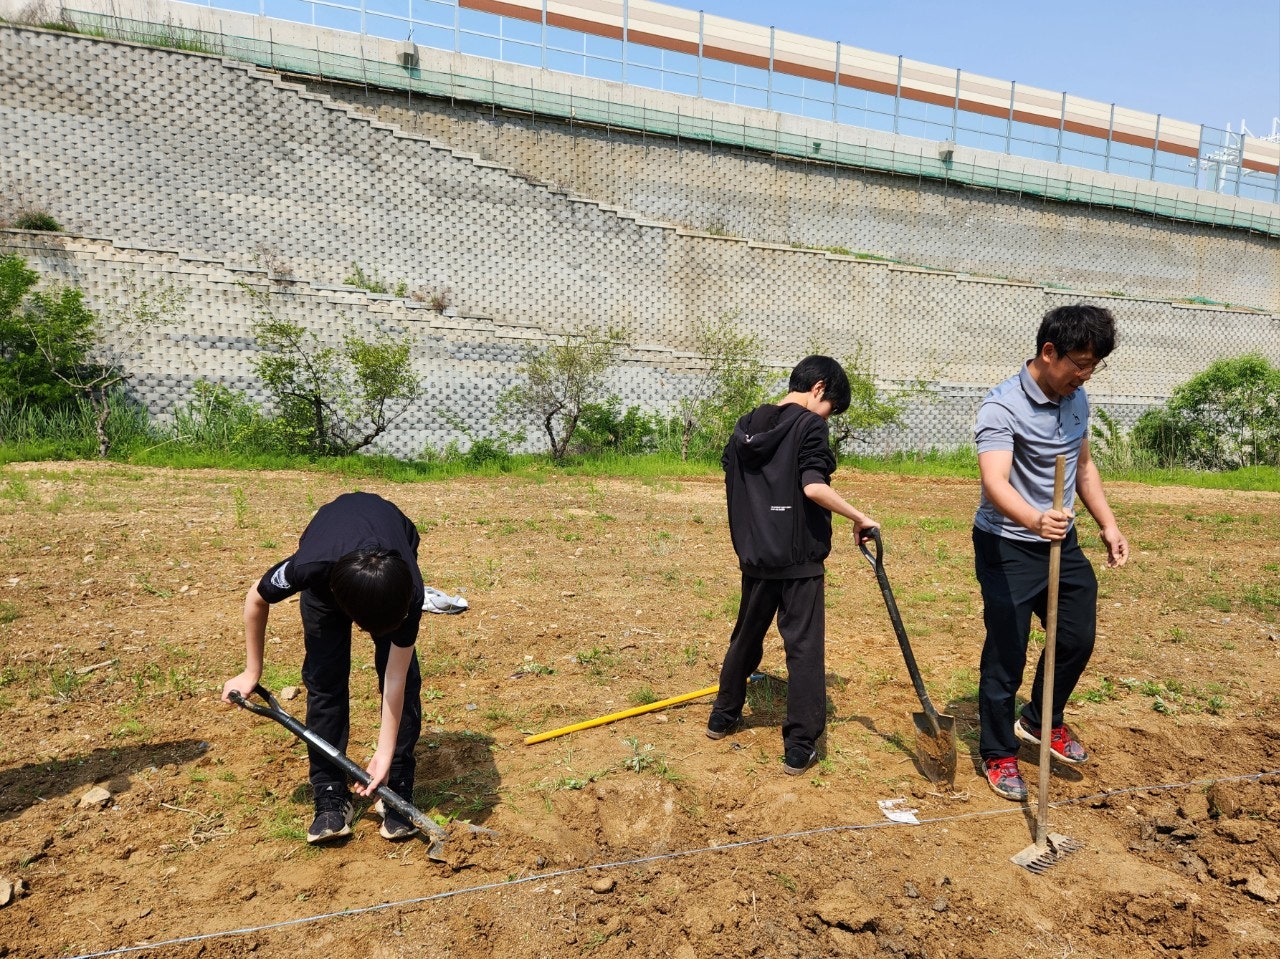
<point x="1043" y="856"/>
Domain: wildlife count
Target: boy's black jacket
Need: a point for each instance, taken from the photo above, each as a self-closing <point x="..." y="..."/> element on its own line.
<point x="777" y="531"/>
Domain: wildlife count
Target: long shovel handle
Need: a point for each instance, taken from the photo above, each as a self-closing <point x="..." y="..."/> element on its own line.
<point x="877" y="563"/>
<point x="1050" y="659"/>
<point x="274" y="711"/>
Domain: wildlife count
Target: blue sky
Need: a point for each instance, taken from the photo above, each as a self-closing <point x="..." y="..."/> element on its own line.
<point x="1213" y="61"/>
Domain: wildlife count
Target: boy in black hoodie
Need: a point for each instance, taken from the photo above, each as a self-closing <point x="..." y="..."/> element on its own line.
<point x="778" y="467"/>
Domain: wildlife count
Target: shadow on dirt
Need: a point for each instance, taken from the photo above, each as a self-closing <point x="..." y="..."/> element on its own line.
<point x="894" y="741"/>
<point x="767" y="700"/>
<point x="456" y="778"/>
<point x="24" y="786"/>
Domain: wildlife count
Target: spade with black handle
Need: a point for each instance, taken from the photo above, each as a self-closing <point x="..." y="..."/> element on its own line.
<point x="432" y="831"/>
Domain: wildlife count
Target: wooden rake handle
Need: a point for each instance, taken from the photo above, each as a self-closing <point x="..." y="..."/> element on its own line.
<point x="1050" y="660"/>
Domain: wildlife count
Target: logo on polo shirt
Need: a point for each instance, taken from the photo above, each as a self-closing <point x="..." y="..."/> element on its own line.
<point x="278" y="579"/>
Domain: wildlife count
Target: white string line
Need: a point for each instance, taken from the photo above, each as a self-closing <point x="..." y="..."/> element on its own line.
<point x="508" y="883"/>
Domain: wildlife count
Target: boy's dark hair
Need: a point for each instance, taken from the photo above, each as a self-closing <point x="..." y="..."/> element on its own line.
<point x="374" y="587"/>
<point x="1078" y="327"/>
<point x="835" y="382"/>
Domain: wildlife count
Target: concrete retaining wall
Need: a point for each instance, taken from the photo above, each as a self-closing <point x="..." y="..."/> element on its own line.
<point x="224" y="165"/>
<point x="778" y="200"/>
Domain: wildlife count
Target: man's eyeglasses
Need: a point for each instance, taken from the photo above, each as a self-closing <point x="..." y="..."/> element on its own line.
<point x="1097" y="366"/>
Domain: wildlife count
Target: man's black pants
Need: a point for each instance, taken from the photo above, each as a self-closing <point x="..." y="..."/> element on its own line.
<point x="799" y="606"/>
<point x="326" y="672"/>
<point x="1014" y="576"/>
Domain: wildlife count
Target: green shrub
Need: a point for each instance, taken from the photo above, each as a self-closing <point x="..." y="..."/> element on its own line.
<point x="1226" y="417"/>
<point x="221" y="420"/>
<point x="603" y="427"/>
<point x="556" y="382"/>
<point x="331" y="401"/>
<point x="734" y="381"/>
<point x="369" y="282"/>
<point x="487" y="453"/>
<point x="36" y="220"/>
<point x="1116" y="451"/>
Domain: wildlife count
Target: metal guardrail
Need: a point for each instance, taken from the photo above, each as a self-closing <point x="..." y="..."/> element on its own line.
<point x="656" y="46"/>
<point x="314" y="62"/>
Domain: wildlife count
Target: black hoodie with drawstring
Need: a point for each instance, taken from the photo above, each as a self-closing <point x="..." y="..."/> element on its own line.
<point x="777" y="531"/>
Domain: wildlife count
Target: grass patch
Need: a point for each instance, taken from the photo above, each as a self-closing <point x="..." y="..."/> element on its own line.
<point x="600" y="663"/>
<point x="646" y="759"/>
<point x="277" y="677"/>
<point x="1171" y="696"/>
<point x="1219" y="602"/>
<point x="1264" y="599"/>
<point x="785" y="881"/>
<point x="643" y="696"/>
<point x="1104" y="690"/>
<point x="962" y="687"/>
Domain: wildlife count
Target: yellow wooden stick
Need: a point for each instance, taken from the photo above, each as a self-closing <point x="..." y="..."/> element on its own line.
<point x="614" y="717"/>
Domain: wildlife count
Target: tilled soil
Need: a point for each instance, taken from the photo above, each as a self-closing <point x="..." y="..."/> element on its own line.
<point x="120" y="598"/>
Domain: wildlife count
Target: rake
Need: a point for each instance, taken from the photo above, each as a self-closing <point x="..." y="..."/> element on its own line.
<point x="1050" y="848"/>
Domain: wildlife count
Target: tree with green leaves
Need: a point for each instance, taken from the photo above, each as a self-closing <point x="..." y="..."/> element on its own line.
<point x="1223" y="418"/>
<point x="56" y="349"/>
<point x="329" y="400"/>
<point x="560" y="379"/>
<point x="734" y="381"/>
<point x="870" y="408"/>
<point x="45" y="336"/>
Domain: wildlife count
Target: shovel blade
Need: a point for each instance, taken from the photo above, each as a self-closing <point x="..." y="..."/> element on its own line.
<point x="1041" y="857"/>
<point x="936" y="746"/>
<point x="435" y="849"/>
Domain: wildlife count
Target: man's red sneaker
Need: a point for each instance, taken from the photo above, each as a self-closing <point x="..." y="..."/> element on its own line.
<point x="1061" y="743"/>
<point x="1005" y="779"/>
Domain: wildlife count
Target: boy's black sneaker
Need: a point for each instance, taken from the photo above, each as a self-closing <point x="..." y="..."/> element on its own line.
<point x="334" y="813"/>
<point x="798" y="759"/>
<point x="720" y="725"/>
<point x="394" y="826"/>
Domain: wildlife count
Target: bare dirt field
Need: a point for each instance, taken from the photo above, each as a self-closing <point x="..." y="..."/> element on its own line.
<point x="120" y="597"/>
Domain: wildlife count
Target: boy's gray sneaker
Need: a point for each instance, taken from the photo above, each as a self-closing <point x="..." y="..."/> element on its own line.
<point x="798" y="759"/>
<point x="334" y="813"/>
<point x="394" y="826"/>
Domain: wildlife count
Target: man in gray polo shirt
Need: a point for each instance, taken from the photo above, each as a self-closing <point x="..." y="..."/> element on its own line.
<point x="1023" y="425"/>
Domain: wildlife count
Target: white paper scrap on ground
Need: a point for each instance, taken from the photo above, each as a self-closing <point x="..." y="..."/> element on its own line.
<point x="895" y="810"/>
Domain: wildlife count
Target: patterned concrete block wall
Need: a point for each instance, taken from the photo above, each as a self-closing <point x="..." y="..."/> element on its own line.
<point x="160" y="149"/>
<point x="778" y="200"/>
<point x="463" y="362"/>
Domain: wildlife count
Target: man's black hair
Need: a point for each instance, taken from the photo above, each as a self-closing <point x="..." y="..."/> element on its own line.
<point x="1078" y="327"/>
<point x="374" y="587"/>
<point x="835" y="382"/>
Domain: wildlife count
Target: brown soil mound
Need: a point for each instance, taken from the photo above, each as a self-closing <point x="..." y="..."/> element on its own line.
<point x="120" y="604"/>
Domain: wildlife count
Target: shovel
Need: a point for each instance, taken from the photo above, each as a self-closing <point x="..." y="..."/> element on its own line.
<point x="935" y="731"/>
<point x="432" y="831"/>
<point x="1049" y="847"/>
